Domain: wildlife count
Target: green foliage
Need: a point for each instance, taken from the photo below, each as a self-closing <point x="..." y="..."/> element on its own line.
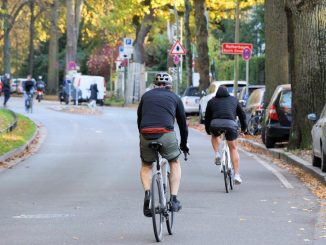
<point x="156" y="51"/>
<point x="225" y="70"/>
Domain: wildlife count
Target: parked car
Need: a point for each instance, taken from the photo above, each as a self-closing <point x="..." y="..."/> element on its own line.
<point x="211" y="91"/>
<point x="277" y="119"/>
<point x="254" y="103"/>
<point x="17" y="85"/>
<point x="318" y="134"/>
<point x="190" y="100"/>
<point x="244" y="96"/>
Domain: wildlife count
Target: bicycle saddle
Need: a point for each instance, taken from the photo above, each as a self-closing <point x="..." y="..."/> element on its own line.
<point x="155" y="145"/>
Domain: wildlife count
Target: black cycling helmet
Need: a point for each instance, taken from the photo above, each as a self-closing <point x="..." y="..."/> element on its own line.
<point x="163" y="78"/>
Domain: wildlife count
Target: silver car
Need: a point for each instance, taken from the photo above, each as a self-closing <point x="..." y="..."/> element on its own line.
<point x="190" y="100"/>
<point x="318" y="134"/>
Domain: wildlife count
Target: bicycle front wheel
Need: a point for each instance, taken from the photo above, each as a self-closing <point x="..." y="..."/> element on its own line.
<point x="157" y="214"/>
<point x="170" y="217"/>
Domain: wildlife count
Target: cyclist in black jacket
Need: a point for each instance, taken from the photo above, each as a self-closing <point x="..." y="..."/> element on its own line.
<point x="221" y="113"/>
<point x="156" y="113"/>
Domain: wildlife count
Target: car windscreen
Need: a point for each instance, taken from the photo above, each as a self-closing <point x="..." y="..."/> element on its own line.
<point x="192" y="92"/>
<point x="230" y="87"/>
<point x="285" y="99"/>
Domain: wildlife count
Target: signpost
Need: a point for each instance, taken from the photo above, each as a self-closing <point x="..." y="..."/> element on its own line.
<point x="176" y="50"/>
<point x="245" y="49"/>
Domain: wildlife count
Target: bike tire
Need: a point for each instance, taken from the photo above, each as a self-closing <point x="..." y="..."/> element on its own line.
<point x="157" y="214"/>
<point x="170" y="217"/>
<point x="225" y="179"/>
<point x="253" y="125"/>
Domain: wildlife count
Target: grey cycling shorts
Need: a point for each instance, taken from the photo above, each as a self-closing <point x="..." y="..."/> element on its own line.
<point x="170" y="149"/>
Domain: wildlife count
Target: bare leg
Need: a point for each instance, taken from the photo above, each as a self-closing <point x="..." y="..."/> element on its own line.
<point x="215" y="143"/>
<point x="234" y="155"/>
<point x="175" y="176"/>
<point x="146" y="176"/>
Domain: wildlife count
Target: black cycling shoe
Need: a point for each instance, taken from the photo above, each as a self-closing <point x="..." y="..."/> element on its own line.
<point x="175" y="205"/>
<point x="146" y="209"/>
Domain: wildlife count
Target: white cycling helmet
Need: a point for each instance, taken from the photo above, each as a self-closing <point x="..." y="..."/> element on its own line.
<point x="163" y="78"/>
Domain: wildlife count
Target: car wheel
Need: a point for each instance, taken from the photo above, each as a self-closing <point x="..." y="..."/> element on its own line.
<point x="269" y="142"/>
<point x="323" y="161"/>
<point x="263" y="135"/>
<point x="316" y="161"/>
<point x="201" y="120"/>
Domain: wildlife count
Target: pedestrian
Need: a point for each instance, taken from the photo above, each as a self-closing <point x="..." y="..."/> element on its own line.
<point x="93" y="98"/>
<point x="156" y="115"/>
<point x="6" y="88"/>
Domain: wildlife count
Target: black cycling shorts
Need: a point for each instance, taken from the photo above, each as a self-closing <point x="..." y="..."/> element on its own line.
<point x="219" y="126"/>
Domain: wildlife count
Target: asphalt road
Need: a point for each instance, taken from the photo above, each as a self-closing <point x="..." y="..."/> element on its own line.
<point x="83" y="187"/>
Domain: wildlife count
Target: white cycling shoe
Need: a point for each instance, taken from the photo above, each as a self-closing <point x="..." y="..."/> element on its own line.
<point x="237" y="179"/>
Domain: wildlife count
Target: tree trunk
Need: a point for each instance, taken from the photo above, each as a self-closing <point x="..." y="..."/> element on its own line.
<point x="31" y="39"/>
<point x="277" y="58"/>
<point x="6" y="30"/>
<point x="202" y="47"/>
<point x="188" y="43"/>
<point x="53" y="68"/>
<point x="236" y="40"/>
<point x="308" y="68"/>
<point x="71" y="53"/>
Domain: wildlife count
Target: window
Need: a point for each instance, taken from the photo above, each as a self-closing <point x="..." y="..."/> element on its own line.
<point x="194" y="91"/>
<point x="285" y="100"/>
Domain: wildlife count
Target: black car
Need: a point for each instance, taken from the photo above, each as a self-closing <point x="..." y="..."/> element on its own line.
<point x="318" y="134"/>
<point x="277" y="119"/>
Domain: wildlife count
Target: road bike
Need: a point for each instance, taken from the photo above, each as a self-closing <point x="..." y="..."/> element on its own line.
<point x="160" y="200"/>
<point x="29" y="103"/>
<point x="226" y="166"/>
<point x="254" y="123"/>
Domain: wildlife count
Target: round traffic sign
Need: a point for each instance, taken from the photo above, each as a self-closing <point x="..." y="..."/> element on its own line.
<point x="246" y="54"/>
<point x="176" y="59"/>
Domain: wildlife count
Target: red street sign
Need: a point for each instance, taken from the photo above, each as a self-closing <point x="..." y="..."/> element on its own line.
<point x="235" y="48"/>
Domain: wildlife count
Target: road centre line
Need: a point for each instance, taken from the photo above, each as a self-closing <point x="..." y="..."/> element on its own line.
<point x="280" y="176"/>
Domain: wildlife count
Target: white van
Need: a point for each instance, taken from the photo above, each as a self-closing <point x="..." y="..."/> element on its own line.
<point x="84" y="82"/>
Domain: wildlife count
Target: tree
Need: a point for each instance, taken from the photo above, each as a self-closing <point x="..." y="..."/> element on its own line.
<point x="9" y="19"/>
<point x="276" y="62"/>
<point x="202" y="47"/>
<point x="73" y="20"/>
<point x="188" y="42"/>
<point x="53" y="67"/>
<point x="307" y="42"/>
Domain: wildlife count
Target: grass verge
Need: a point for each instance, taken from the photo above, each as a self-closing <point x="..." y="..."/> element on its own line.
<point x="5" y="119"/>
<point x="19" y="136"/>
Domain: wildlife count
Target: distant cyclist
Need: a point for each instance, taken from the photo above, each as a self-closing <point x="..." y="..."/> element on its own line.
<point x="156" y="113"/>
<point x="28" y="88"/>
<point x="221" y="113"/>
<point x="40" y="85"/>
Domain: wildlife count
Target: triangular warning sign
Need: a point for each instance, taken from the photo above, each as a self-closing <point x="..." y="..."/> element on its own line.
<point x="177" y="48"/>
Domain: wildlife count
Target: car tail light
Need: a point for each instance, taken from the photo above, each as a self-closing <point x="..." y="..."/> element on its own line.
<point x="272" y="113"/>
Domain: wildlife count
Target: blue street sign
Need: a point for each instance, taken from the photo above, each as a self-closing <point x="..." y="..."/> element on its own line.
<point x="121" y="49"/>
<point x="246" y="54"/>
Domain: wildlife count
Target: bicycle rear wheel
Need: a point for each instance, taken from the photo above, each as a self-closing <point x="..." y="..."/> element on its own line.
<point x="225" y="178"/>
<point x="157" y="214"/>
<point x="170" y="217"/>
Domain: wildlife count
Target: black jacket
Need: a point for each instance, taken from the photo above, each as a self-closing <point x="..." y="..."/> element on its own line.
<point x="224" y="106"/>
<point x="6" y="85"/>
<point x="158" y="108"/>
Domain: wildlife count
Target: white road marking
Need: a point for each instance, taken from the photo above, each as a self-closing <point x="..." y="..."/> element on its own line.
<point x="280" y="176"/>
<point x="41" y="216"/>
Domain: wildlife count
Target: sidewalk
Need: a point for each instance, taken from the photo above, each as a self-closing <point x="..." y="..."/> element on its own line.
<point x="288" y="157"/>
<point x="278" y="153"/>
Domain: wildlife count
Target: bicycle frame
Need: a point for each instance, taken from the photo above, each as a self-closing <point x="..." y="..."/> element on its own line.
<point x="161" y="169"/>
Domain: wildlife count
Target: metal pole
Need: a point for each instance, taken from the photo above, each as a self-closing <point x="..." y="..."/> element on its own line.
<point x="236" y="40"/>
<point x="247" y="77"/>
<point x="178" y="66"/>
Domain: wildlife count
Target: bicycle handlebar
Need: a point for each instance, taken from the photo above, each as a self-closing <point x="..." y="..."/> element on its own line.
<point x="186" y="153"/>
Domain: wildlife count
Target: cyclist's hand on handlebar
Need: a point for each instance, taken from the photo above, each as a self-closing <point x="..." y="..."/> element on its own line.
<point x="184" y="148"/>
